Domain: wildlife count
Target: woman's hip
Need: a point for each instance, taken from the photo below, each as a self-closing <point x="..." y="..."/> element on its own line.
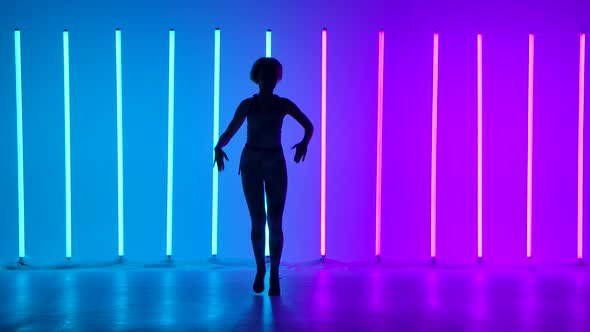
<point x="262" y="161"/>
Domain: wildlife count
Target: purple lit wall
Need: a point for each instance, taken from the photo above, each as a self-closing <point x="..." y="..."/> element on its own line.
<point x="351" y="128"/>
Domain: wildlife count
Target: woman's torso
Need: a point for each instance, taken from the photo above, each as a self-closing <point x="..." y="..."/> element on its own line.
<point x="265" y="121"/>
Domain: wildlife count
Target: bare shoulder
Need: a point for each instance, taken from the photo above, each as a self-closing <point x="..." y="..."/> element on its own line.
<point x="288" y="105"/>
<point x="246" y="102"/>
<point x="285" y="100"/>
<point x="244" y="106"/>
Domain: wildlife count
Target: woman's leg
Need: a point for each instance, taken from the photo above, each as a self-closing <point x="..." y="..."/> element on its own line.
<point x="252" y="184"/>
<point x="276" y="194"/>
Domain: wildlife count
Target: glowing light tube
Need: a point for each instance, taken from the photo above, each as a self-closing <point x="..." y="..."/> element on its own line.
<point x="323" y="159"/>
<point x="119" y="141"/>
<point x="214" y="209"/>
<point x="171" y="50"/>
<point x="266" y="235"/>
<point x="66" y="47"/>
<point x="581" y="146"/>
<point x="267" y="242"/>
<point x="433" y="147"/>
<point x="379" y="143"/>
<point x="479" y="146"/>
<point x="268" y="43"/>
<point x="529" y="196"/>
<point x="19" y="145"/>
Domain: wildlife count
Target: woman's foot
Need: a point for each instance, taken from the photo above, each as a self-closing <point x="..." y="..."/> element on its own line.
<point x="275" y="288"/>
<point x="258" y="285"/>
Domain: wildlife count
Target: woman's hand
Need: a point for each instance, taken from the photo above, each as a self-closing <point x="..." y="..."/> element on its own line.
<point x="300" y="151"/>
<point x="219" y="156"/>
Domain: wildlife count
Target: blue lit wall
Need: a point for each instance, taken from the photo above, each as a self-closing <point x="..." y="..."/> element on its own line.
<point x="352" y="120"/>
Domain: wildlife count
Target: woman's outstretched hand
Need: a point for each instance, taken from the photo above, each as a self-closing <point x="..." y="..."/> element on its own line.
<point x="219" y="156"/>
<point x="300" y="151"/>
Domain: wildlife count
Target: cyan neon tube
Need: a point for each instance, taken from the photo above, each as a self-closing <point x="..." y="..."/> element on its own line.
<point x="267" y="242"/>
<point x="66" y="50"/>
<point x="19" y="143"/>
<point x="119" y="141"/>
<point x="268" y="43"/>
<point x="214" y="209"/>
<point x="171" y="50"/>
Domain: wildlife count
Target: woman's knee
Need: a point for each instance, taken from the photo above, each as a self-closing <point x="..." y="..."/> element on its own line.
<point x="275" y="228"/>
<point x="257" y="233"/>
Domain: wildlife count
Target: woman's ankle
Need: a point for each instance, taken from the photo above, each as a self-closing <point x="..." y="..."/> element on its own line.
<point x="261" y="271"/>
<point x="274" y="273"/>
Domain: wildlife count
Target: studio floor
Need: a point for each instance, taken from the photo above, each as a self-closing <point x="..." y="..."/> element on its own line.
<point x="328" y="296"/>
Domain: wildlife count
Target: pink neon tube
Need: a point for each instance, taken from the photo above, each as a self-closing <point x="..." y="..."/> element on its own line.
<point x="323" y="167"/>
<point x="479" y="146"/>
<point x="529" y="198"/>
<point x="581" y="146"/>
<point x="379" y="142"/>
<point x="433" y="155"/>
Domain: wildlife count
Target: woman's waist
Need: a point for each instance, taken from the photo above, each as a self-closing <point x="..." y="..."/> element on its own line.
<point x="262" y="148"/>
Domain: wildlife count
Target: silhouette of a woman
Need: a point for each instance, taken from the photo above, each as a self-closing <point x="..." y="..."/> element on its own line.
<point x="262" y="164"/>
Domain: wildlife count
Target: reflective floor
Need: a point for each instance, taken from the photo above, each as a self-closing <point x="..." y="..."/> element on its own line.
<point x="315" y="297"/>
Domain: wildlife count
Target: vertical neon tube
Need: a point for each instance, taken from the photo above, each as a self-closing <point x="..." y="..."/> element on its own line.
<point x="266" y="236"/>
<point x="581" y="146"/>
<point x="479" y="146"/>
<point x="323" y="162"/>
<point x="268" y="43"/>
<point x="529" y="178"/>
<point x="216" y="66"/>
<point x="379" y="143"/>
<point x="19" y="145"/>
<point x="66" y="47"/>
<point x="433" y="147"/>
<point x="171" y="50"/>
<point x="119" y="140"/>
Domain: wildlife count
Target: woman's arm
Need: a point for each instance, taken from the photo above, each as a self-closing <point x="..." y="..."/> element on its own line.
<point x="234" y="125"/>
<point x="303" y="120"/>
<point x="232" y="128"/>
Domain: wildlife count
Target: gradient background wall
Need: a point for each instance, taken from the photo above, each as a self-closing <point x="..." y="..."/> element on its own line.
<point x="352" y="121"/>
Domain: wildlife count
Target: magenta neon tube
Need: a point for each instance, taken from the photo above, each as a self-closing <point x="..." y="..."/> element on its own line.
<point x="529" y="199"/>
<point x="581" y="146"/>
<point x="479" y="147"/>
<point x="433" y="152"/>
<point x="379" y="143"/>
<point x="323" y="162"/>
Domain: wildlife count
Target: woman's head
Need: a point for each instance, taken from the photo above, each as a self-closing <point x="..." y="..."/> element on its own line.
<point x="266" y="72"/>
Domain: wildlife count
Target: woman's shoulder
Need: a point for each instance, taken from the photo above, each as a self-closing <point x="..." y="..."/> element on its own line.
<point x="244" y="106"/>
<point x="247" y="102"/>
<point x="282" y="99"/>
<point x="286" y="104"/>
